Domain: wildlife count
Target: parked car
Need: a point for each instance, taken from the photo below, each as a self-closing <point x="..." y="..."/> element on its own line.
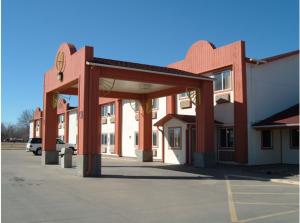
<point x="34" y="145"/>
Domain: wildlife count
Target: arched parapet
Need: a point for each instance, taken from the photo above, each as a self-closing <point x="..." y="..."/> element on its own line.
<point x="68" y="65"/>
<point x="38" y="114"/>
<point x="62" y="106"/>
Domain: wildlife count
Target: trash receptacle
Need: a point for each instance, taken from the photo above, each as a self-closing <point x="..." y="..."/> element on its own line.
<point x="66" y="157"/>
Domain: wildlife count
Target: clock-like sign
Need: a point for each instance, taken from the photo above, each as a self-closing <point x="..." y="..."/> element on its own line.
<point x="60" y="62"/>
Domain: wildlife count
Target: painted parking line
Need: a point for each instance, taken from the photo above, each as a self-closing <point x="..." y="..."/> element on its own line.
<point x="232" y="209"/>
<point x="270" y="215"/>
<point x="267" y="203"/>
<point x="267" y="193"/>
<point x="232" y="202"/>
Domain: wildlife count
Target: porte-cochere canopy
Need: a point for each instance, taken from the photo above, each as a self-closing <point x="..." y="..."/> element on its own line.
<point x="89" y="77"/>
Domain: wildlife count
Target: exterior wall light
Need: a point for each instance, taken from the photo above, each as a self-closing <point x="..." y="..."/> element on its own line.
<point x="59" y="76"/>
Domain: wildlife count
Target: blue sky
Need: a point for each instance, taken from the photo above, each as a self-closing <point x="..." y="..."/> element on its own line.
<point x="155" y="32"/>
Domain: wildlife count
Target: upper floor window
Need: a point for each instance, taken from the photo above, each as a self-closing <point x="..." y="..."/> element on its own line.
<point x="222" y="80"/>
<point x="155" y="103"/>
<point x="112" y="109"/>
<point x="104" y="110"/>
<point x="266" y="139"/>
<point x="61" y="118"/>
<point x="183" y="95"/>
<point x="294" y="138"/>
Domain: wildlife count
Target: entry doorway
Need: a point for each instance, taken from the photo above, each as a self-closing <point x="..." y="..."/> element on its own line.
<point x="225" y="145"/>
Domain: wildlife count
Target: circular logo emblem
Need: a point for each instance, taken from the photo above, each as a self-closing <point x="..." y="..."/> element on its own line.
<point x="60" y="62"/>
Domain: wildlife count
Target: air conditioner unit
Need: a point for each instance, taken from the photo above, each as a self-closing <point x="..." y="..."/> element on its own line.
<point x="222" y="98"/>
<point x="185" y="104"/>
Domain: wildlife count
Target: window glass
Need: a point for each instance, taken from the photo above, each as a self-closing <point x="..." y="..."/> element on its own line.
<point x="226" y="80"/>
<point x="175" y="138"/>
<point x="154" y="138"/>
<point x="61" y="118"/>
<point x="112" y="139"/>
<point x="136" y="138"/>
<point x="218" y="82"/>
<point x="103" y="139"/>
<point x="266" y="139"/>
<point x="226" y="137"/>
<point x="222" y="80"/>
<point x="155" y="103"/>
<point x="104" y="110"/>
<point x="183" y="95"/>
<point x="223" y="138"/>
<point x="112" y="109"/>
<point x="294" y="137"/>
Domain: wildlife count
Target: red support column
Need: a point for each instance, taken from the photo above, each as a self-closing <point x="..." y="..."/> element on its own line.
<point x="41" y="127"/>
<point x="66" y="128"/>
<point x="171" y="104"/>
<point x="144" y="153"/>
<point x="89" y="157"/>
<point x="34" y="129"/>
<point x="118" y="127"/>
<point x="49" y="155"/>
<point x="204" y="154"/>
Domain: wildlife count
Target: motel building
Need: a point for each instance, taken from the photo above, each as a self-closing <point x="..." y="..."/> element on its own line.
<point x="214" y="105"/>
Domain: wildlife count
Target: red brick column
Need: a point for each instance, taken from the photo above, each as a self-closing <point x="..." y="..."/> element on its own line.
<point x="34" y="129"/>
<point x="204" y="154"/>
<point x="49" y="155"/>
<point x="88" y="158"/>
<point x="144" y="153"/>
<point x="118" y="127"/>
<point x="66" y="129"/>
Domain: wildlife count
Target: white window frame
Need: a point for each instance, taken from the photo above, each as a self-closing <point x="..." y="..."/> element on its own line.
<point x="157" y="103"/>
<point x="157" y="135"/>
<point x="261" y="140"/>
<point x="180" y="135"/>
<point x="226" y="148"/>
<point x="222" y="80"/>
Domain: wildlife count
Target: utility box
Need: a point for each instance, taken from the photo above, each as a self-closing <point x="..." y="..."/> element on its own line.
<point x="66" y="157"/>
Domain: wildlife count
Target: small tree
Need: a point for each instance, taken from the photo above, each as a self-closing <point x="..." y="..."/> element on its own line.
<point x="25" y="118"/>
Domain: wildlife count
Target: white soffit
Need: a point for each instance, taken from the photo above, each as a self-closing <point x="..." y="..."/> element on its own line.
<point x="108" y="84"/>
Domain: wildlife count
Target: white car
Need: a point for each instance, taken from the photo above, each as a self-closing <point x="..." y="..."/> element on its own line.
<point x="34" y="145"/>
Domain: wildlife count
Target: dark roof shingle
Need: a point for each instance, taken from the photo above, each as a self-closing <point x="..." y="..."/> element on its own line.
<point x="286" y="117"/>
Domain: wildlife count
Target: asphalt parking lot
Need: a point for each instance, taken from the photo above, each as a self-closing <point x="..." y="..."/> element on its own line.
<point x="130" y="191"/>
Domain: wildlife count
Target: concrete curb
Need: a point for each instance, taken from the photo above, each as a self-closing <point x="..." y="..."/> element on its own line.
<point x="291" y="182"/>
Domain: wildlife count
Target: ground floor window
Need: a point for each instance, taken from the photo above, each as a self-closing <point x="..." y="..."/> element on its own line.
<point x="155" y="139"/>
<point x="226" y="139"/>
<point x="112" y="139"/>
<point x="294" y="138"/>
<point x="266" y="139"/>
<point x="174" y="137"/>
<point x="136" y="138"/>
<point x="104" y="139"/>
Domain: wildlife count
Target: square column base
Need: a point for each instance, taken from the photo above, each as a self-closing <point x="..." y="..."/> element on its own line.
<point x="49" y="157"/>
<point x="204" y="159"/>
<point x="144" y="156"/>
<point x="83" y="165"/>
